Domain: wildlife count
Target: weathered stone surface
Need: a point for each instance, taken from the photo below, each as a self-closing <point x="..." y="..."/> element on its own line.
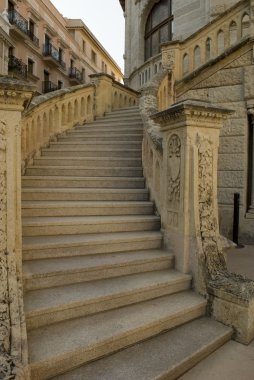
<point x="231" y="161"/>
<point x="225" y="77"/>
<point x="231" y="179"/>
<point x="244" y="60"/>
<point x="234" y="144"/>
<point x="234" y="127"/>
<point x="226" y="197"/>
<point x="226" y="94"/>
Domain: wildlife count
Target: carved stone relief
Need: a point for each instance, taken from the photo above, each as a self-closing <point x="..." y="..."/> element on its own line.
<point x="174" y="171"/>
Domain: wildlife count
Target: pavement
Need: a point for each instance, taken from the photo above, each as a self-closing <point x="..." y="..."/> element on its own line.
<point x="233" y="361"/>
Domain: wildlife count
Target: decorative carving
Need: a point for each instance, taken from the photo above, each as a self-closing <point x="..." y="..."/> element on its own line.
<point x="168" y="58"/>
<point x="174" y="171"/>
<point x="10" y="365"/>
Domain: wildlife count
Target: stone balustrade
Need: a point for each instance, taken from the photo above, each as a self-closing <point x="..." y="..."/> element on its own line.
<point x="209" y="42"/>
<point x="54" y="113"/>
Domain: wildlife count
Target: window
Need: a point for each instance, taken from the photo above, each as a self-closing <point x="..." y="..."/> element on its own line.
<point x="158" y="27"/>
<point x="105" y="69"/>
<point x="93" y="56"/>
<point x="30" y="66"/>
<point x="60" y="55"/>
<point x="83" y="46"/>
<point x="83" y="75"/>
<point x="59" y="85"/>
<point x="113" y="75"/>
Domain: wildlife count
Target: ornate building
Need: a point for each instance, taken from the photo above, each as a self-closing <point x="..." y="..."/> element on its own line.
<point x="49" y="50"/>
<point x="205" y="48"/>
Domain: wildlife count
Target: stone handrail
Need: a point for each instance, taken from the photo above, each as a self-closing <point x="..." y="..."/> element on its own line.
<point x="145" y="72"/>
<point x="54" y="113"/>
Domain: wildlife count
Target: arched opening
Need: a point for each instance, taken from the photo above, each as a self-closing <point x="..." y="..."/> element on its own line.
<point x="208" y="49"/>
<point x="45" y="126"/>
<point x="158" y="27"/>
<point x="233" y="33"/>
<point x="186" y="64"/>
<point x="82" y="107"/>
<point x="51" y="123"/>
<point x="76" y="111"/>
<point x="39" y="133"/>
<point x="245" y="25"/>
<point x="220" y="42"/>
<point x="69" y="112"/>
<point x="56" y="121"/>
<point x="150" y="169"/>
<point x="157" y="178"/>
<point x="89" y="105"/>
<point x="197" y="57"/>
<point x="63" y="120"/>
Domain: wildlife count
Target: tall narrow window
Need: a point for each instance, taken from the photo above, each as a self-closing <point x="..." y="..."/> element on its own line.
<point x="220" y="42"/>
<point x="245" y="25"/>
<point x="30" y="66"/>
<point x="233" y="33"/>
<point x="208" y="49"/>
<point x="158" y="27"/>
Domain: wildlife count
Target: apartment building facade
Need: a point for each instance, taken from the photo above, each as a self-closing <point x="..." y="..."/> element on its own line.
<point x="49" y="50"/>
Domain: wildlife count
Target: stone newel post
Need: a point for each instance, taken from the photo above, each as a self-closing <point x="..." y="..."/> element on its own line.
<point x="14" y="97"/>
<point x="190" y="152"/>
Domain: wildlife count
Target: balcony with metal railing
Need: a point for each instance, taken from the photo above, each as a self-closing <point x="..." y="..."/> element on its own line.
<point x="75" y="75"/>
<point x="33" y="38"/>
<point x="17" y="20"/>
<point x="48" y="86"/>
<point x="17" y="67"/>
<point x="52" y="55"/>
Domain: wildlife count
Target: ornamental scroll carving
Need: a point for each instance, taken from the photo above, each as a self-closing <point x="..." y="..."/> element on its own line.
<point x="174" y="171"/>
<point x="10" y="366"/>
<point x="213" y="259"/>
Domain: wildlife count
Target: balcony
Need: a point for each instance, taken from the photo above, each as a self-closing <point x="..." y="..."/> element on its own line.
<point x="18" y="21"/>
<point x="75" y="75"/>
<point x="48" y="86"/>
<point x="33" y="38"/>
<point x="17" y="67"/>
<point x="51" y="54"/>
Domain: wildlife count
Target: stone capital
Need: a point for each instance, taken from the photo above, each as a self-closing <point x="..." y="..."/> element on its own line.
<point x="15" y="95"/>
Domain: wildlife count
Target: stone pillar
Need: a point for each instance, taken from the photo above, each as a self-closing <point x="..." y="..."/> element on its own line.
<point x="14" y="97"/>
<point x="103" y="93"/>
<point x="190" y="132"/>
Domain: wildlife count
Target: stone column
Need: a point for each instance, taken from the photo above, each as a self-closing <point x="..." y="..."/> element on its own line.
<point x="190" y="132"/>
<point x="14" y="97"/>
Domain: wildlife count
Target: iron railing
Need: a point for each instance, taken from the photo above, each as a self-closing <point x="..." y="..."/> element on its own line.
<point x="51" y="51"/>
<point x="17" y="66"/>
<point x="19" y="21"/>
<point x="74" y="73"/>
<point x="33" y="38"/>
<point x="48" y="86"/>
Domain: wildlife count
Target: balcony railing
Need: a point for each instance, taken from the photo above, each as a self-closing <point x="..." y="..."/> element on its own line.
<point x="19" y="21"/>
<point x="50" y="51"/>
<point x="33" y="38"/>
<point x="48" y="86"/>
<point x="74" y="73"/>
<point x="17" y="66"/>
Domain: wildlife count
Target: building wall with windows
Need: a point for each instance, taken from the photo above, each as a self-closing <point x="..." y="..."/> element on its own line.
<point x="47" y="51"/>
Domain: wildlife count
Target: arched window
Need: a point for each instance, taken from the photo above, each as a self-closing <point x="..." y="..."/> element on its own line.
<point x="158" y="27"/>
<point x="197" y="57"/>
<point x="220" y="42"/>
<point x="245" y="25"/>
<point x="185" y="64"/>
<point x="233" y="33"/>
<point x="208" y="49"/>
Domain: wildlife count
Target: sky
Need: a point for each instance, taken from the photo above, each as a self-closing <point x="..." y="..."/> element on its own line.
<point x="103" y="17"/>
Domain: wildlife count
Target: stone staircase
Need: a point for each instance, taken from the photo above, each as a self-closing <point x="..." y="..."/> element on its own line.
<point x="102" y="299"/>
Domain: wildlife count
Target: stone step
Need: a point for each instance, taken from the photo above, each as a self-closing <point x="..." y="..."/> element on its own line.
<point x="47" y="306"/>
<point x="79" y="152"/>
<point x="85" y="208"/>
<point x="166" y="356"/>
<point x="120" y="117"/>
<point x="74" y="225"/>
<point x="84" y="171"/>
<point x="48" y="273"/>
<point x="36" y="248"/>
<point x="98" y="138"/>
<point x="88" y="162"/>
<point x="83" y="182"/>
<point x="90" y="194"/>
<point x="103" y="132"/>
<point x="129" y="126"/>
<point x="99" y="145"/>
<point x="66" y="345"/>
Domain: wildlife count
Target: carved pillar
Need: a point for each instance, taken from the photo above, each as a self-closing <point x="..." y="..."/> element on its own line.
<point x="14" y="97"/>
<point x="190" y="151"/>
